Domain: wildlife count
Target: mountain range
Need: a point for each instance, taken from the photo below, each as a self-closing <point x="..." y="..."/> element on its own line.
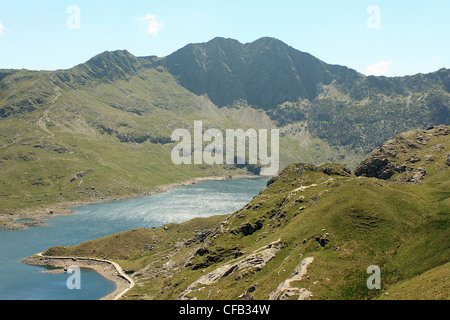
<point x="102" y="129"/>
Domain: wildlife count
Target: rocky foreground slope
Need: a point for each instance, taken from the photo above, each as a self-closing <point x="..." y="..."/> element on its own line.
<point x="311" y="234"/>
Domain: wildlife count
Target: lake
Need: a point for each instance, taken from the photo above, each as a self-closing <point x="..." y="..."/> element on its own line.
<point x="19" y="281"/>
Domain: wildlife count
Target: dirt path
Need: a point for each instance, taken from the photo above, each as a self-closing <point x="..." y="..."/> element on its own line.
<point x="42" y="122"/>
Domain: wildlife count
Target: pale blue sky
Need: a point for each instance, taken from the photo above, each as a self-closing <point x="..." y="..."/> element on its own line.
<point x="409" y="37"/>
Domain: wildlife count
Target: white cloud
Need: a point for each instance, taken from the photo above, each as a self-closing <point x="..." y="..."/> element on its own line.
<point x="435" y="59"/>
<point x="379" y="69"/>
<point x="152" y="25"/>
<point x="1" y="28"/>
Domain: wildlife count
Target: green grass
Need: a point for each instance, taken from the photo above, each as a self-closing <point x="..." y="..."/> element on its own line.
<point x="430" y="285"/>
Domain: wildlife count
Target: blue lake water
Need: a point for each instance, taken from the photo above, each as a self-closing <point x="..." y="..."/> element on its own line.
<point x="22" y="282"/>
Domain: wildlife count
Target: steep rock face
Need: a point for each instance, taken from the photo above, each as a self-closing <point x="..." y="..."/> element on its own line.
<point x="265" y="73"/>
<point x="406" y="157"/>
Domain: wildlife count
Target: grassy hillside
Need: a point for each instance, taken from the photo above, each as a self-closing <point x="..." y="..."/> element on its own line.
<point x="311" y="234"/>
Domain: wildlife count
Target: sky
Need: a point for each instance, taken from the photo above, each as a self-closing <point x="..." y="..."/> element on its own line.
<point x="379" y="37"/>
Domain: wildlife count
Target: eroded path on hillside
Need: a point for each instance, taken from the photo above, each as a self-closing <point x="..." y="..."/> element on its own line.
<point x="42" y="122"/>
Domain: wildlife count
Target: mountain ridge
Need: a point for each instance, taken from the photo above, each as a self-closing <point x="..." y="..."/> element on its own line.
<point x="264" y="56"/>
<point x="120" y="64"/>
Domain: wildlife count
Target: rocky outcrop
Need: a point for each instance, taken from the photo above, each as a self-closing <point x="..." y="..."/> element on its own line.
<point x="406" y="156"/>
<point x="254" y="261"/>
<point x="248" y="228"/>
<point x="377" y="167"/>
<point x="301" y="168"/>
<point x="285" y="290"/>
<point x="80" y="175"/>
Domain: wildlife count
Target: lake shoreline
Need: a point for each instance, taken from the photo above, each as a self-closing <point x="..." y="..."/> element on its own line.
<point x="242" y="187"/>
<point x="37" y="216"/>
<point x="108" y="269"/>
